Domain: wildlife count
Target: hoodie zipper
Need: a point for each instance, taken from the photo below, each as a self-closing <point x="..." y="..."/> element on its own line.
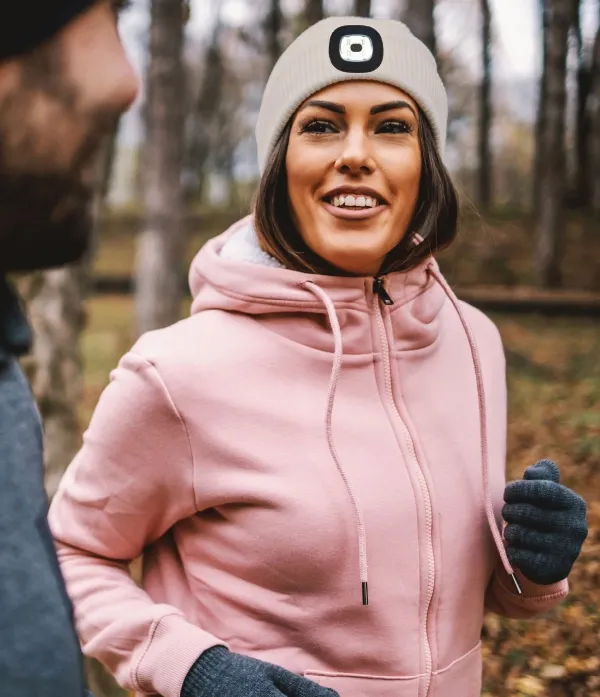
<point x="380" y="290"/>
<point x="383" y="295"/>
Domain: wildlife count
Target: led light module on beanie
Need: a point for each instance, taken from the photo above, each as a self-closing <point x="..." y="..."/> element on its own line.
<point x="355" y="48"/>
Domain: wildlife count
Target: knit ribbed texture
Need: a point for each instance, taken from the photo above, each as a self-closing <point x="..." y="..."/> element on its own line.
<point x="305" y="68"/>
<point x="206" y="671"/>
<point x="26" y="25"/>
<point x="547" y="524"/>
<point x="219" y="673"/>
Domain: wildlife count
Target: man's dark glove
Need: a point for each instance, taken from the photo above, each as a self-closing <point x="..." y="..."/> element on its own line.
<point x="547" y="524"/>
<point x="220" y="673"/>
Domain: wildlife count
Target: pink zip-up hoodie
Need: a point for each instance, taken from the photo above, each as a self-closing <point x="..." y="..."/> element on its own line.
<point x="296" y="448"/>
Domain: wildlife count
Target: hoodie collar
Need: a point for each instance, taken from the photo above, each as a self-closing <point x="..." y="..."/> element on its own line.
<point x="232" y="272"/>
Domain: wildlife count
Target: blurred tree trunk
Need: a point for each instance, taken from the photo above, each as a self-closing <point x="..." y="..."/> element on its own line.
<point x="206" y="109"/>
<point x="313" y="12"/>
<point x="362" y="8"/>
<point x="418" y="16"/>
<point x="541" y="115"/>
<point x="595" y="128"/>
<point x="161" y="244"/>
<point x="55" y="301"/>
<point x="551" y="213"/>
<point x="579" y="190"/>
<point x="485" y="108"/>
<point x="273" y="24"/>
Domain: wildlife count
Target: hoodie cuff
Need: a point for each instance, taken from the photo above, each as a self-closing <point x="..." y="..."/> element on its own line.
<point x="532" y="593"/>
<point x="174" y="647"/>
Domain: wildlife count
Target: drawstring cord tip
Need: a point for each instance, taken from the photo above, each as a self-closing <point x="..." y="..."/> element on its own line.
<point x="514" y="578"/>
<point x="365" y="593"/>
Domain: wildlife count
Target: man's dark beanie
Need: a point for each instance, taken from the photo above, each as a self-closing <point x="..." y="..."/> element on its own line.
<point x="25" y="25"/>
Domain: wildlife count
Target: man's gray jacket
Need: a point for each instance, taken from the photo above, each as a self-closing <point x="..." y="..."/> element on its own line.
<point x="39" y="650"/>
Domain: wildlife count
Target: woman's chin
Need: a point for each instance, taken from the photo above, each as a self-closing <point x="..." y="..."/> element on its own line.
<point x="356" y="264"/>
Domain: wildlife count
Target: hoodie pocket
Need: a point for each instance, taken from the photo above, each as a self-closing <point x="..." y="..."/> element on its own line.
<point x="462" y="678"/>
<point x="357" y="685"/>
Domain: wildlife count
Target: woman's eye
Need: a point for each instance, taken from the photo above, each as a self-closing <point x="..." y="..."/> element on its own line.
<point x="395" y="127"/>
<point x="317" y="127"/>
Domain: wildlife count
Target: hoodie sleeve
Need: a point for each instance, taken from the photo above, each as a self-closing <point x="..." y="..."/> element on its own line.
<point x="502" y="597"/>
<point x="131" y="482"/>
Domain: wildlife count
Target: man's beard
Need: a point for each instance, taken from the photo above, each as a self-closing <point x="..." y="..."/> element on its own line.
<point x="45" y="200"/>
<point x="46" y="219"/>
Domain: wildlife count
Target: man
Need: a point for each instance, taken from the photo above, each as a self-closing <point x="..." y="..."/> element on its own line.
<point x="64" y="80"/>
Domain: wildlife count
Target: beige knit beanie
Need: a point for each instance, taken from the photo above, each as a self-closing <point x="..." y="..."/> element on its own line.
<point x="337" y="49"/>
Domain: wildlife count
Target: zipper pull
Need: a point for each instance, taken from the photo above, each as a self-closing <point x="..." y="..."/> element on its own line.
<point x="381" y="291"/>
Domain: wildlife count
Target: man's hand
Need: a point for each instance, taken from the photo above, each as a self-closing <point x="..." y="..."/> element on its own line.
<point x="547" y="524"/>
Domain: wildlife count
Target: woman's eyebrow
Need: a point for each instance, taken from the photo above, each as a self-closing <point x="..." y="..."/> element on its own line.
<point x="330" y="106"/>
<point x="377" y="109"/>
<point x="388" y="106"/>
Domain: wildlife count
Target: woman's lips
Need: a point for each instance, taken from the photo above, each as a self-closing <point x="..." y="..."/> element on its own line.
<point x="353" y="213"/>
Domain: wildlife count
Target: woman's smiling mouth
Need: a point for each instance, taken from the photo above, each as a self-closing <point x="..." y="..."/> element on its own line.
<point x="360" y="212"/>
<point x="353" y="203"/>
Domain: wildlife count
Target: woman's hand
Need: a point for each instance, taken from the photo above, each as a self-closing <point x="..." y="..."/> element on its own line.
<point x="220" y="673"/>
<point x="547" y="524"/>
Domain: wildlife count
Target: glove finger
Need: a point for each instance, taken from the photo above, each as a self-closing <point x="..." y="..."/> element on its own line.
<point x="544" y="494"/>
<point x="543" y="470"/>
<point x="540" y="568"/>
<point x="564" y="522"/>
<point x="548" y="542"/>
<point x="294" y="685"/>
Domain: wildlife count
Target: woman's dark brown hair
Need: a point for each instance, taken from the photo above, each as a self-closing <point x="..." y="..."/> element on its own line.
<point x="435" y="218"/>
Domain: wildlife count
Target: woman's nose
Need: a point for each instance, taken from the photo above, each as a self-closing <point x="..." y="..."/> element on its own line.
<point x="355" y="157"/>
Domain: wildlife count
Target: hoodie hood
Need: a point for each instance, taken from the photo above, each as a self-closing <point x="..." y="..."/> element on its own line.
<point x="231" y="272"/>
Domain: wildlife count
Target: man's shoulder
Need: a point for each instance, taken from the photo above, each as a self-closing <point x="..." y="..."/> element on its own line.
<point x="21" y="443"/>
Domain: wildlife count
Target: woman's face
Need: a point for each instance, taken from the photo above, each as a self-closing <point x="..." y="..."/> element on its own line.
<point x="353" y="166"/>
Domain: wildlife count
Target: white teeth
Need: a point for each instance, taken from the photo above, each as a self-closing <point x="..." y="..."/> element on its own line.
<point x="356" y="201"/>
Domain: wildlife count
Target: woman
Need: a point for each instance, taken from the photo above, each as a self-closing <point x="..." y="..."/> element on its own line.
<point x="313" y="463"/>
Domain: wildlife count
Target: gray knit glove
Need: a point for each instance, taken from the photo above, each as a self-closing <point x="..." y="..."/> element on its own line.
<point x="220" y="673"/>
<point x="547" y="524"/>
